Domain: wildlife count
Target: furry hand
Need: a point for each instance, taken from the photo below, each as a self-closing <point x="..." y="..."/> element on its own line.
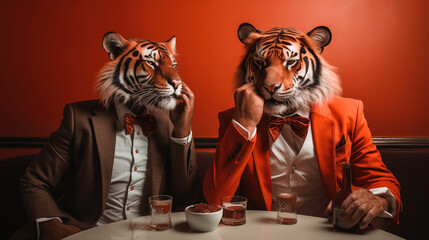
<point x="249" y="106"/>
<point x="361" y="205"/>
<point x="182" y="115"/>
<point x="55" y="230"/>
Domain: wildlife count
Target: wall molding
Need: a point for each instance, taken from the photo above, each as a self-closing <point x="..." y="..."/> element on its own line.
<point x="401" y="142"/>
<point x="205" y="142"/>
<point x="22" y="142"/>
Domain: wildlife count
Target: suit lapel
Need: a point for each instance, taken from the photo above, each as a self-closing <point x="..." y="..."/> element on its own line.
<point x="156" y="167"/>
<point x="262" y="162"/>
<point x="156" y="153"/>
<point x="323" y="140"/>
<point x="105" y="136"/>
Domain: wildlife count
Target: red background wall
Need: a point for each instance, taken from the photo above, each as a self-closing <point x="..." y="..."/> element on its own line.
<point x="51" y="53"/>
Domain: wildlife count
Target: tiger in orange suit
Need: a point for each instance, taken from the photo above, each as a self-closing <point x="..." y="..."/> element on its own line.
<point x="291" y="129"/>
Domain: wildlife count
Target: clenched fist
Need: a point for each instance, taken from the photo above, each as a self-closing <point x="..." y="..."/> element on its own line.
<point x="249" y="106"/>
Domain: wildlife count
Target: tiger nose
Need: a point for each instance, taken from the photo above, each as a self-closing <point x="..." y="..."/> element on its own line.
<point x="271" y="88"/>
<point x="175" y="83"/>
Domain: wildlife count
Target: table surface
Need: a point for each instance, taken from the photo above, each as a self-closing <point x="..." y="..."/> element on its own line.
<point x="259" y="225"/>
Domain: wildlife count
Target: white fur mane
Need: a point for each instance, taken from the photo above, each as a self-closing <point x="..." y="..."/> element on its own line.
<point x="106" y="89"/>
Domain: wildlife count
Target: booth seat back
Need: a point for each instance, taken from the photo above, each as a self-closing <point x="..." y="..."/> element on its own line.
<point x="11" y="210"/>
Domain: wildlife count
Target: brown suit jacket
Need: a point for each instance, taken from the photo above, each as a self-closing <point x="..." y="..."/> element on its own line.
<point x="70" y="178"/>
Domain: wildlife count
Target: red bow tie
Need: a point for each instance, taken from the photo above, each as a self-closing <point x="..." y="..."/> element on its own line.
<point x="147" y="122"/>
<point x="298" y="124"/>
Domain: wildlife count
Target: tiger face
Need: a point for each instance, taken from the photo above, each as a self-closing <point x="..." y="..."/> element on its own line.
<point x="141" y="72"/>
<point x="287" y="68"/>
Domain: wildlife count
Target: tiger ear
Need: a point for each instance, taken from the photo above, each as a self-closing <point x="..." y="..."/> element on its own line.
<point x="114" y="44"/>
<point x="171" y="44"/>
<point x="247" y="33"/>
<point x="321" y="35"/>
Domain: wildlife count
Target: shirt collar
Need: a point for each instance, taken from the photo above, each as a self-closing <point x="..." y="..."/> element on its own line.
<point x="121" y="109"/>
<point x="303" y="113"/>
<point x="300" y="112"/>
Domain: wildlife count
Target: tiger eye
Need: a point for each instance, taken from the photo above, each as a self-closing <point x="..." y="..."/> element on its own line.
<point x="260" y="62"/>
<point x="291" y="63"/>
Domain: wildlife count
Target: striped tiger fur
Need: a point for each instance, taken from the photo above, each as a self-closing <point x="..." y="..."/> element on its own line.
<point x="287" y="68"/>
<point x="141" y="72"/>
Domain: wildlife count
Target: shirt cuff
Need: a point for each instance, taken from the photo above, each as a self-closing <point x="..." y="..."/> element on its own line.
<point x="385" y="192"/>
<point x="44" y="219"/>
<point x="244" y="131"/>
<point x="182" y="141"/>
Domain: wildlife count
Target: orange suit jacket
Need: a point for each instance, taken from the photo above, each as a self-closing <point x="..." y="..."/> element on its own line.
<point x="242" y="167"/>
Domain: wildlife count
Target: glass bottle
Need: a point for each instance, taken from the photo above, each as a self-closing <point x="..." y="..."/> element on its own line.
<point x="346" y="190"/>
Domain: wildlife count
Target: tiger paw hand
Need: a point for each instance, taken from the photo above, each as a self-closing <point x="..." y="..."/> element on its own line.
<point x="182" y="115"/>
<point x="55" y="230"/>
<point x="249" y="106"/>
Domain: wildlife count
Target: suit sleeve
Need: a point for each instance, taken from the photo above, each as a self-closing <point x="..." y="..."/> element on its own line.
<point x="43" y="174"/>
<point x="232" y="154"/>
<point x="369" y="171"/>
<point x="184" y="173"/>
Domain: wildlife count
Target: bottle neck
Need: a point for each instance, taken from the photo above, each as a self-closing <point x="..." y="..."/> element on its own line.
<point x="347" y="177"/>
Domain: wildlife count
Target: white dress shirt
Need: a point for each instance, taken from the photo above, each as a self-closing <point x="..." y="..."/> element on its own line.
<point x="125" y="199"/>
<point x="300" y="171"/>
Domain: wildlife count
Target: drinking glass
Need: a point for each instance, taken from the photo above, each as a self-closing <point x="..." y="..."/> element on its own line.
<point x="286" y="207"/>
<point x="234" y="210"/>
<point x="160" y="209"/>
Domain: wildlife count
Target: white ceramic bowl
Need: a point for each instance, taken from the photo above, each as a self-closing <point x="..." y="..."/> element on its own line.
<point x="203" y="222"/>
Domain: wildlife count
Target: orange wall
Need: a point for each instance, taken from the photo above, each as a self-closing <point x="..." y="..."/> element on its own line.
<point x="51" y="53"/>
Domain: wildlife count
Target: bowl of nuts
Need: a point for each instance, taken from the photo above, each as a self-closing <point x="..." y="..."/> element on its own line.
<point x="203" y="217"/>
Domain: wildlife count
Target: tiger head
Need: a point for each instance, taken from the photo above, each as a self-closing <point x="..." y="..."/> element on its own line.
<point x="287" y="68"/>
<point x="141" y="72"/>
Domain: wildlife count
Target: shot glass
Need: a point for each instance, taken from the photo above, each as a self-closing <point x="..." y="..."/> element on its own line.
<point x="160" y="209"/>
<point x="234" y="210"/>
<point x="286" y="207"/>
